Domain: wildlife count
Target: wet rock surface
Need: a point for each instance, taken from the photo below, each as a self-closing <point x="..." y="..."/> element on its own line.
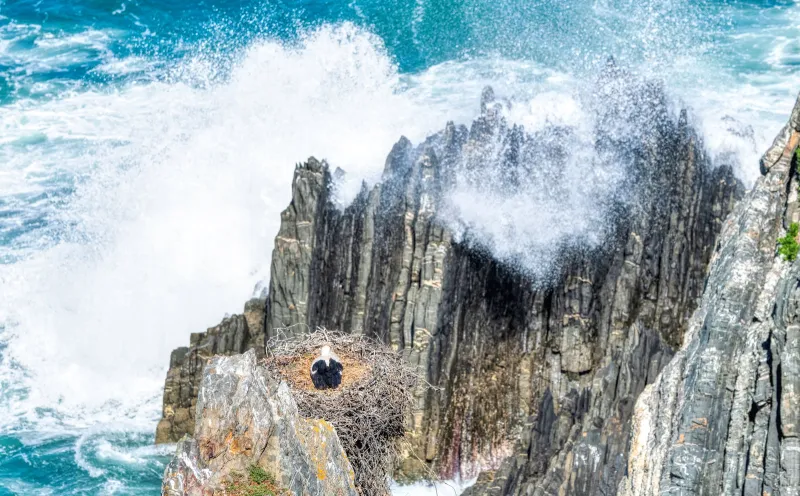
<point x="245" y="419"/>
<point x="722" y="417"/>
<point x="535" y="382"/>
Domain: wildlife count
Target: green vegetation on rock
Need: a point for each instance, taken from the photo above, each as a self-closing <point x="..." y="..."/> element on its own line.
<point x="787" y="245"/>
<point x="257" y="482"/>
<point x="260" y="476"/>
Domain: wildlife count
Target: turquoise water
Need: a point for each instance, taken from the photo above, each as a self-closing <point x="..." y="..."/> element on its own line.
<point x="147" y="148"/>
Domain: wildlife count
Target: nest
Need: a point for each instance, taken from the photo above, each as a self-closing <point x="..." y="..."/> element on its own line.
<point x="368" y="409"/>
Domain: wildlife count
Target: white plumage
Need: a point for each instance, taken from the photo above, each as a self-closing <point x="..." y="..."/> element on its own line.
<point x="326" y="369"/>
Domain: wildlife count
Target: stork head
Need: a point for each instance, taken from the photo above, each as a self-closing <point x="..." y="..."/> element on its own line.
<point x="326" y="350"/>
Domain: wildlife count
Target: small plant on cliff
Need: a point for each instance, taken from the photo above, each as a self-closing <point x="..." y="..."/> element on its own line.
<point x="787" y="245"/>
<point x="257" y="482"/>
<point x="260" y="476"/>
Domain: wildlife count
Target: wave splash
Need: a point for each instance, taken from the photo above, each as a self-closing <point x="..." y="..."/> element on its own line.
<point x="181" y="181"/>
<point x="179" y="185"/>
<point x="174" y="221"/>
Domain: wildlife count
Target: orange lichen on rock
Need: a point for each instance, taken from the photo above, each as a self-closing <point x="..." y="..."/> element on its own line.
<point x="317" y="437"/>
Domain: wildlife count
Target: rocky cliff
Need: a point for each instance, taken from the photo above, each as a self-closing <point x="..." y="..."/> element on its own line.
<point x="541" y="375"/>
<point x="232" y="336"/>
<point x="723" y="417"/>
<point x="245" y="420"/>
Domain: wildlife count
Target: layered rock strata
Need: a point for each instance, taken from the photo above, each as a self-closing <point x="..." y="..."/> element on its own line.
<point x="542" y="375"/>
<point x="723" y="417"/>
<point x="234" y="335"/>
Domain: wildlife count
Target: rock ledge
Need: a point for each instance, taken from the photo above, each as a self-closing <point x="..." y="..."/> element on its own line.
<point x="245" y="418"/>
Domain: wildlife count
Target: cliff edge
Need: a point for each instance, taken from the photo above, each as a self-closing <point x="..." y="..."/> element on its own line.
<point x="723" y="417"/>
<point x="248" y="423"/>
<point x="534" y="382"/>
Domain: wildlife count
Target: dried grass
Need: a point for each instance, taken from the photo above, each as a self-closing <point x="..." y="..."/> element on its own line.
<point x="369" y="408"/>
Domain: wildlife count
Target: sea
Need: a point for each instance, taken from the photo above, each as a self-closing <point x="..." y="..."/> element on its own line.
<point x="147" y="148"/>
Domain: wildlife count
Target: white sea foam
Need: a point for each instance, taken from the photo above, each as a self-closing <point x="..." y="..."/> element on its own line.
<point x="27" y="50"/>
<point x="175" y="221"/>
<point x="440" y="488"/>
<point x="90" y="38"/>
<point x="111" y="486"/>
<point x="738" y="122"/>
<point x="141" y="455"/>
<point x="80" y="458"/>
<point x="180" y="183"/>
<point x="126" y="65"/>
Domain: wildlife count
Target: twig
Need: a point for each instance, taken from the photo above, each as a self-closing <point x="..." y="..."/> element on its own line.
<point x="368" y="412"/>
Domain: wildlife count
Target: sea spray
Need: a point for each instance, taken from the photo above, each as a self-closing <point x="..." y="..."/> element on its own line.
<point x="174" y="223"/>
<point x="119" y="237"/>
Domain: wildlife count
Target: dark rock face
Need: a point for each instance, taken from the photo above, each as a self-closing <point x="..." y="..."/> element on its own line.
<point x="537" y="381"/>
<point x="722" y="417"/>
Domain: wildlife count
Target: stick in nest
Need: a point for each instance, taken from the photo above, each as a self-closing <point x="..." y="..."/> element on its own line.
<point x="368" y="409"/>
